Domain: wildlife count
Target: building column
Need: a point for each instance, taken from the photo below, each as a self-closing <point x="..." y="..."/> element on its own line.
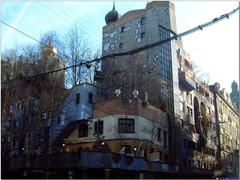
<point x="141" y="175"/>
<point x="70" y="174"/>
<point x="25" y="174"/>
<point x="84" y="174"/>
<point x="47" y="174"/>
<point x="107" y="173"/>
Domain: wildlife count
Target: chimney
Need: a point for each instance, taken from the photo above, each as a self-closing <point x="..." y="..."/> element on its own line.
<point x="145" y="101"/>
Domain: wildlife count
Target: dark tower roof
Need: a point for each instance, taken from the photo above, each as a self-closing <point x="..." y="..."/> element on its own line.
<point x="111" y="16"/>
<point x="234" y="85"/>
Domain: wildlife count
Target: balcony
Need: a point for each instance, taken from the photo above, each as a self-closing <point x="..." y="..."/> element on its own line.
<point x="89" y="159"/>
<point x="186" y="80"/>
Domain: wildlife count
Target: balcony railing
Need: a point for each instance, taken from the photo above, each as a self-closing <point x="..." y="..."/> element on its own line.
<point x="186" y="80"/>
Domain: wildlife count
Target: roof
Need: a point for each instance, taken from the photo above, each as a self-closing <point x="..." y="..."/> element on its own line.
<point x="125" y="18"/>
<point x="115" y="106"/>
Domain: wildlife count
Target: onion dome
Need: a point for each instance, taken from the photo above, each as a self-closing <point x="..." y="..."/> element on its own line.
<point x="111" y="16"/>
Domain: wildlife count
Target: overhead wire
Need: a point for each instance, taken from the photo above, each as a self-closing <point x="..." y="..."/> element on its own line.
<point x="56" y="13"/>
<point x="73" y="15"/>
<point x="31" y="37"/>
<point x="66" y="16"/>
<point x="134" y="51"/>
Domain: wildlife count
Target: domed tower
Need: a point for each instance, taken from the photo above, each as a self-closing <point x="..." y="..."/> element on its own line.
<point x="111" y="16"/>
<point x="235" y="95"/>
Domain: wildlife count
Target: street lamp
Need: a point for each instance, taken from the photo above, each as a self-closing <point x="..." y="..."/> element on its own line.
<point x="117" y="92"/>
<point x="135" y="93"/>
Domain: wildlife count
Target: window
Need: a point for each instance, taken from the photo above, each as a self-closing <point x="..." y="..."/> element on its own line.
<point x="30" y="103"/>
<point x="187" y="63"/>
<point x="122" y="29"/>
<point x="44" y="115"/>
<point x="12" y="93"/>
<point x="34" y="101"/>
<point x="10" y="109"/>
<point x="14" y="123"/>
<point x="83" y="130"/>
<point x="19" y="106"/>
<point x="190" y="98"/>
<point x="205" y="165"/>
<point x="90" y="98"/>
<point x="166" y="157"/>
<point x="49" y="115"/>
<point x="190" y="111"/>
<point x="208" y="110"/>
<point x="159" y="134"/>
<point x="185" y="143"/>
<point x="211" y="100"/>
<point x="58" y="120"/>
<point x="142" y="35"/>
<point x="29" y="120"/>
<point x="142" y="21"/>
<point x="126" y="125"/>
<point x="181" y="106"/>
<point x="197" y="85"/>
<point x="189" y="163"/>
<point x="165" y="138"/>
<point x="191" y="145"/>
<point x="14" y="141"/>
<point x="160" y="155"/>
<point x="120" y="45"/>
<point x="127" y="148"/>
<point x="98" y="127"/>
<point x="46" y="132"/>
<point x="185" y="162"/>
<point x="181" y="123"/>
<point x="198" y="164"/>
<point x="34" y="104"/>
<point x="77" y="98"/>
<point x="178" y="53"/>
<point x="49" y="118"/>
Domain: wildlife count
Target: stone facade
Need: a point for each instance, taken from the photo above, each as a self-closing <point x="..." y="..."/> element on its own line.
<point x="228" y="132"/>
<point x="197" y="118"/>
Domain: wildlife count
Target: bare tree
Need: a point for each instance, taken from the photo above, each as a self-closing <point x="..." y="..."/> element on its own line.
<point x="47" y="90"/>
<point x="199" y="74"/>
<point x="133" y="72"/>
<point x="77" y="49"/>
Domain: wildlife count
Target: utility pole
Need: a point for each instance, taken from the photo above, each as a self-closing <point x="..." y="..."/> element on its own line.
<point x="218" y="155"/>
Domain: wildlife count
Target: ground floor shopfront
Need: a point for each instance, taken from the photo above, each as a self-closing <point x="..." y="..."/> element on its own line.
<point x="94" y="165"/>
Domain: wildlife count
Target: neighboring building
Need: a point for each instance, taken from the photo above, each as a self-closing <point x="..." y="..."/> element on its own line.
<point x="235" y="95"/>
<point x="77" y="107"/>
<point x="152" y="71"/>
<point x="227" y="123"/>
<point x="197" y="121"/>
<point x="28" y="105"/>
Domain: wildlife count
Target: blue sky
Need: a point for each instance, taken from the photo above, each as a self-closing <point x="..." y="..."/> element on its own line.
<point x="215" y="49"/>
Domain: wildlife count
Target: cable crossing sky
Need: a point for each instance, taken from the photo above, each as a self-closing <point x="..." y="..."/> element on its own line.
<point x="134" y="51"/>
